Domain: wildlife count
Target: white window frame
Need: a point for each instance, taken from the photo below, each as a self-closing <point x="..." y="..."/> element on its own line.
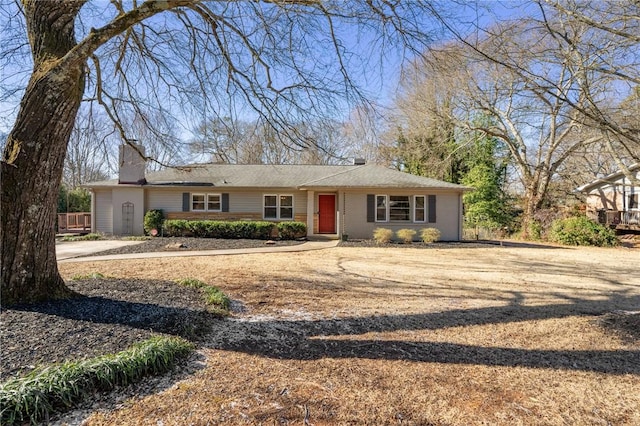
<point x="424" y="208"/>
<point x="205" y="201"/>
<point x="412" y="209"/>
<point x="386" y="208"/>
<point x="219" y="203"/>
<point x="278" y="207"/>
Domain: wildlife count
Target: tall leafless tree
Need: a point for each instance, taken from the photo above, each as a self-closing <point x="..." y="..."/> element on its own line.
<point x="285" y="61"/>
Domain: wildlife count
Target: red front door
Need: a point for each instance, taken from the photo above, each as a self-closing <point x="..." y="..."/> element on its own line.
<point x="327" y="214"/>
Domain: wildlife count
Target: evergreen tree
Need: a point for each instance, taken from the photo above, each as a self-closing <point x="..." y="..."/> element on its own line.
<point x="487" y="206"/>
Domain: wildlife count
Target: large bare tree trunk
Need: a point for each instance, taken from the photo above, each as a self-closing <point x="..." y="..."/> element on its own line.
<point x="34" y="156"/>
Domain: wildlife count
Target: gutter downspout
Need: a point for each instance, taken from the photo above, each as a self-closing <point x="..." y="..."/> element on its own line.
<point x="93" y="210"/>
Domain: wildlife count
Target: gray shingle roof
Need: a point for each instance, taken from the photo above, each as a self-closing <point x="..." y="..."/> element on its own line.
<point x="288" y="176"/>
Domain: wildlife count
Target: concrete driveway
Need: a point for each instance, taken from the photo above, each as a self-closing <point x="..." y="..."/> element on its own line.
<point x="70" y="249"/>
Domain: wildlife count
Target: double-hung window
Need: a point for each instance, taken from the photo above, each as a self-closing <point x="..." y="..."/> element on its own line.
<point x="206" y="202"/>
<point x="278" y="206"/>
<point x="214" y="202"/>
<point x="399" y="208"/>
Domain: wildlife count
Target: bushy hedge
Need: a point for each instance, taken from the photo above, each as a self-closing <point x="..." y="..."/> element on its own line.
<point x="255" y="230"/>
<point x="581" y="231"/>
<point x="153" y="220"/>
<point x="291" y="230"/>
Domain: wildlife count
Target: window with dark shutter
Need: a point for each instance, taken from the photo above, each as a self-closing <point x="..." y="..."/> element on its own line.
<point x="432" y="209"/>
<point x="186" y="201"/>
<point x="371" y="208"/>
<point x="225" y="202"/>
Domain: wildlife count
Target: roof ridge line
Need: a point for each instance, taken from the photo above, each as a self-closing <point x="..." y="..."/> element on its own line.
<point x="349" y="170"/>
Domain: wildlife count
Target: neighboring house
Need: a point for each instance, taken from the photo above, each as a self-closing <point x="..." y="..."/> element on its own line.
<point x="333" y="201"/>
<point x="614" y="200"/>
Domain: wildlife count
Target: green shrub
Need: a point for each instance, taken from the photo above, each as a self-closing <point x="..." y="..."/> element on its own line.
<point x="382" y="235"/>
<point x="213" y="295"/>
<point x="581" y="231"/>
<point x="291" y="230"/>
<point x="176" y="228"/>
<point x="535" y="230"/>
<point x="58" y="387"/>
<point x="406" y="235"/>
<point x="429" y="235"/>
<point x="153" y="220"/>
<point x="255" y="230"/>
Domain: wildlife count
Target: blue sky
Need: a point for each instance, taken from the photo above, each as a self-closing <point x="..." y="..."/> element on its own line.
<point x="376" y="75"/>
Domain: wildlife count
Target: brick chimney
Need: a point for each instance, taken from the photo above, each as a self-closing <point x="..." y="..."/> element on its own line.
<point x="132" y="164"/>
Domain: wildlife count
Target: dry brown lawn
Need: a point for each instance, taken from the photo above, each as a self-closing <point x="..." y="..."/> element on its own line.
<point x="462" y="336"/>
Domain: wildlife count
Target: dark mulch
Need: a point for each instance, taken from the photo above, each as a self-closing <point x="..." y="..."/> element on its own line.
<point x="110" y="316"/>
<point x="193" y="244"/>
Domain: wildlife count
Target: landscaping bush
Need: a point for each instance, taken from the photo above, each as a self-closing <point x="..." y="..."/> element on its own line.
<point x="581" y="231"/>
<point x="382" y="235"/>
<point x="291" y="230"/>
<point x="254" y="230"/>
<point x="31" y="399"/>
<point x="406" y="235"/>
<point x="153" y="220"/>
<point x="176" y="228"/>
<point x="429" y="235"/>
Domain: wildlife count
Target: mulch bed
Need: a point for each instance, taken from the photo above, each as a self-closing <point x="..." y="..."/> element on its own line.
<point x="193" y="244"/>
<point x="111" y="315"/>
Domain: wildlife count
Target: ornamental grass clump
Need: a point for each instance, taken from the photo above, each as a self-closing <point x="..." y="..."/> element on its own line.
<point x="382" y="235"/>
<point x="213" y="295"/>
<point x="406" y="235"/>
<point x="58" y="387"/>
<point x="429" y="235"/>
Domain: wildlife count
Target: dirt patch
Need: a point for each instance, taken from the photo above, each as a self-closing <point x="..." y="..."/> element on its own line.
<point x="353" y="335"/>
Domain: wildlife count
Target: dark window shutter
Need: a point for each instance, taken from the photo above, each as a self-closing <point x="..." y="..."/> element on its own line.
<point x="432" y="208"/>
<point x="186" y="200"/>
<point x="371" y="208"/>
<point x="225" y="202"/>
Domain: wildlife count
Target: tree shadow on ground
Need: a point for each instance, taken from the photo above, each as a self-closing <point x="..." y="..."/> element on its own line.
<point x="184" y="322"/>
<point x="309" y="340"/>
<point x="330" y="338"/>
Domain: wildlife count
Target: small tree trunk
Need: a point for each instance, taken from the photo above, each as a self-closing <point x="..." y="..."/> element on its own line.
<point x="531" y="205"/>
<point x="33" y="159"/>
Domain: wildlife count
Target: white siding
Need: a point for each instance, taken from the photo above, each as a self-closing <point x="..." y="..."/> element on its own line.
<point x="134" y="195"/>
<point x="167" y="200"/>
<point x="104" y="211"/>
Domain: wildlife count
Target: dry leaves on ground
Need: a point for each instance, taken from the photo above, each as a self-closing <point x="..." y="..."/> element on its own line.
<point x="498" y="335"/>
